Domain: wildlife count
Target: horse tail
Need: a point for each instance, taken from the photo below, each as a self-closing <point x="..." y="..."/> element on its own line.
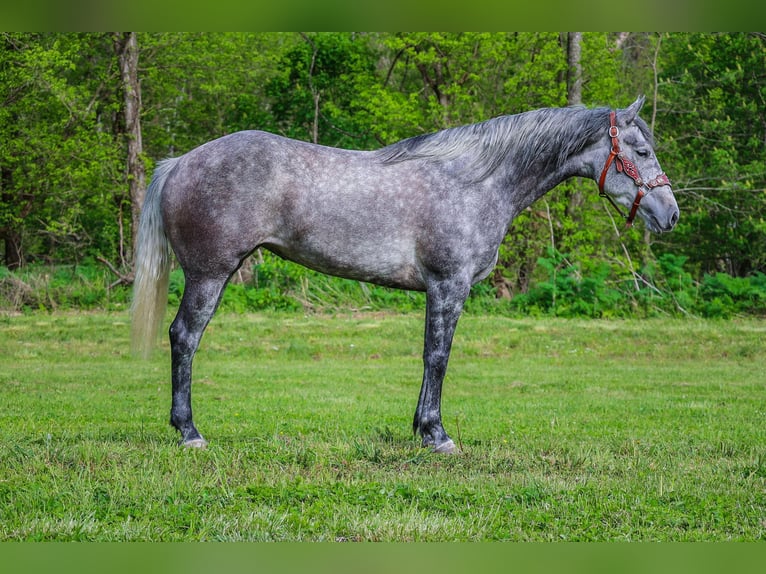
<point x="152" y="265"/>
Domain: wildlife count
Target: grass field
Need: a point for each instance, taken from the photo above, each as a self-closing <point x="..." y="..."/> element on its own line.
<point x="570" y="430"/>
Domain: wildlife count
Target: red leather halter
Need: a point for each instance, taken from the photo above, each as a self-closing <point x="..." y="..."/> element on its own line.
<point x="624" y="165"/>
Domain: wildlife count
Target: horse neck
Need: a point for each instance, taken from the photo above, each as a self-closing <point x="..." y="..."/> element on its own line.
<point x="530" y="189"/>
<point x="525" y="187"/>
<point x="539" y="169"/>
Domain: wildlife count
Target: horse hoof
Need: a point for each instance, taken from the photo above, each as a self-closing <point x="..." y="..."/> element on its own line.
<point x="447" y="447"/>
<point x="195" y="443"/>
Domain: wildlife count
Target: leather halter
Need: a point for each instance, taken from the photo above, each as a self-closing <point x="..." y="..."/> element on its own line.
<point x="624" y="165"/>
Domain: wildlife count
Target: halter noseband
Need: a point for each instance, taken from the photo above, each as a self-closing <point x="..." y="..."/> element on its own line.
<point x="624" y="165"/>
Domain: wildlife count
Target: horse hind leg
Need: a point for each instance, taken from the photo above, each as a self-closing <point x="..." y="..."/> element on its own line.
<point x="200" y="301"/>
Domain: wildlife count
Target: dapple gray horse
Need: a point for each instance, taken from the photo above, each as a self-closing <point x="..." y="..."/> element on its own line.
<point x="427" y="214"/>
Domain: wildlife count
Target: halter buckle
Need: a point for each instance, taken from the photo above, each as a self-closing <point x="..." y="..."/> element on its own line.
<point x="614" y="131"/>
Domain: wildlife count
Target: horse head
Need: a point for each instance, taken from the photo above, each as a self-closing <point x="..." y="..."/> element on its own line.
<point x="631" y="176"/>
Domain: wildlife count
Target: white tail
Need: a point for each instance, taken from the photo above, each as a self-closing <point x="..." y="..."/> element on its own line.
<point x="150" y="288"/>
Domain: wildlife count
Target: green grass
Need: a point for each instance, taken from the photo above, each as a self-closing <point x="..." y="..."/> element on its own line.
<point x="570" y="430"/>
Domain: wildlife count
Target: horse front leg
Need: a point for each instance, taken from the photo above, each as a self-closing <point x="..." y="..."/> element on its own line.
<point x="198" y="305"/>
<point x="444" y="303"/>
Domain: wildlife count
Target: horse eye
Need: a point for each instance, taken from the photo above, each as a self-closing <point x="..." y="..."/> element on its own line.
<point x="643" y="152"/>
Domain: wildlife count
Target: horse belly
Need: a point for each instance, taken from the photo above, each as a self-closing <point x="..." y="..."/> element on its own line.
<point x="388" y="262"/>
<point x="346" y="220"/>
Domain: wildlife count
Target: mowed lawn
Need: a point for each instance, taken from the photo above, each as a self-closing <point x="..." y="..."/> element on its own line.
<point x="569" y="429"/>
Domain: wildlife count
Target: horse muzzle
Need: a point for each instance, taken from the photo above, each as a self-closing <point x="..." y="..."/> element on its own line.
<point x="659" y="210"/>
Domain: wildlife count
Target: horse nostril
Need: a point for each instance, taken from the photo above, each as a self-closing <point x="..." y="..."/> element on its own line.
<point x="674" y="219"/>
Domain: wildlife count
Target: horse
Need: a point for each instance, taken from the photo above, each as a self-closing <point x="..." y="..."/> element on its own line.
<point x="427" y="213"/>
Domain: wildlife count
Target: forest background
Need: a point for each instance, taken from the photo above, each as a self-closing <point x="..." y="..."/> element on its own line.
<point x="85" y="117"/>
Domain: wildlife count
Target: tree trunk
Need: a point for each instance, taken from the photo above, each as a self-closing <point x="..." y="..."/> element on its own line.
<point x="126" y="45"/>
<point x="656" y="83"/>
<point x="315" y="94"/>
<point x="10" y="235"/>
<point x="574" y="98"/>
<point x="574" y="68"/>
<point x="12" y="255"/>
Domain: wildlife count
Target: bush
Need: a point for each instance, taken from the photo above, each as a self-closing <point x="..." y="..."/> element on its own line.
<point x="570" y="292"/>
<point x="564" y="289"/>
<point x="665" y="287"/>
<point x="60" y="287"/>
<point x="723" y="295"/>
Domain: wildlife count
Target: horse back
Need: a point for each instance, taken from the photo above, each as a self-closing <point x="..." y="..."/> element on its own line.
<point x="341" y="212"/>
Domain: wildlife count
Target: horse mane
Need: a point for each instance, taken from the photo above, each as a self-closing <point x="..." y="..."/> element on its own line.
<point x="546" y="136"/>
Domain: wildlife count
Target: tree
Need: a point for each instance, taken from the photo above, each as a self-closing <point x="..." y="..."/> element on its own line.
<point x="57" y="158"/>
<point x="711" y="124"/>
<point x="200" y="86"/>
<point x="574" y="68"/>
<point x="81" y="115"/>
<point x="126" y="47"/>
<point x="313" y="98"/>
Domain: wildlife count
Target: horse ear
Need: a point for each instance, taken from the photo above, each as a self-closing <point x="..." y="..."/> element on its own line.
<point x="629" y="114"/>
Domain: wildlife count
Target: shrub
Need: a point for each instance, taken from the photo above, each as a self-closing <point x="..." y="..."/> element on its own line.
<point x="564" y="289"/>
<point x="569" y="291"/>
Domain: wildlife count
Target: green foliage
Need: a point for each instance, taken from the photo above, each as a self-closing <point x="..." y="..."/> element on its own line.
<point x="281" y="285"/>
<point x="724" y="295"/>
<point x="710" y="128"/>
<point x="50" y="288"/>
<point x="562" y="288"/>
<point x="317" y="89"/>
<point x="570" y="292"/>
<point x="661" y="288"/>
<point x="58" y="167"/>
<point x="64" y="195"/>
<point x="196" y="87"/>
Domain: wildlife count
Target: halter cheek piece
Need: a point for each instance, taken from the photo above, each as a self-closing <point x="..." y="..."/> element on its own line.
<point x="624" y="165"/>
